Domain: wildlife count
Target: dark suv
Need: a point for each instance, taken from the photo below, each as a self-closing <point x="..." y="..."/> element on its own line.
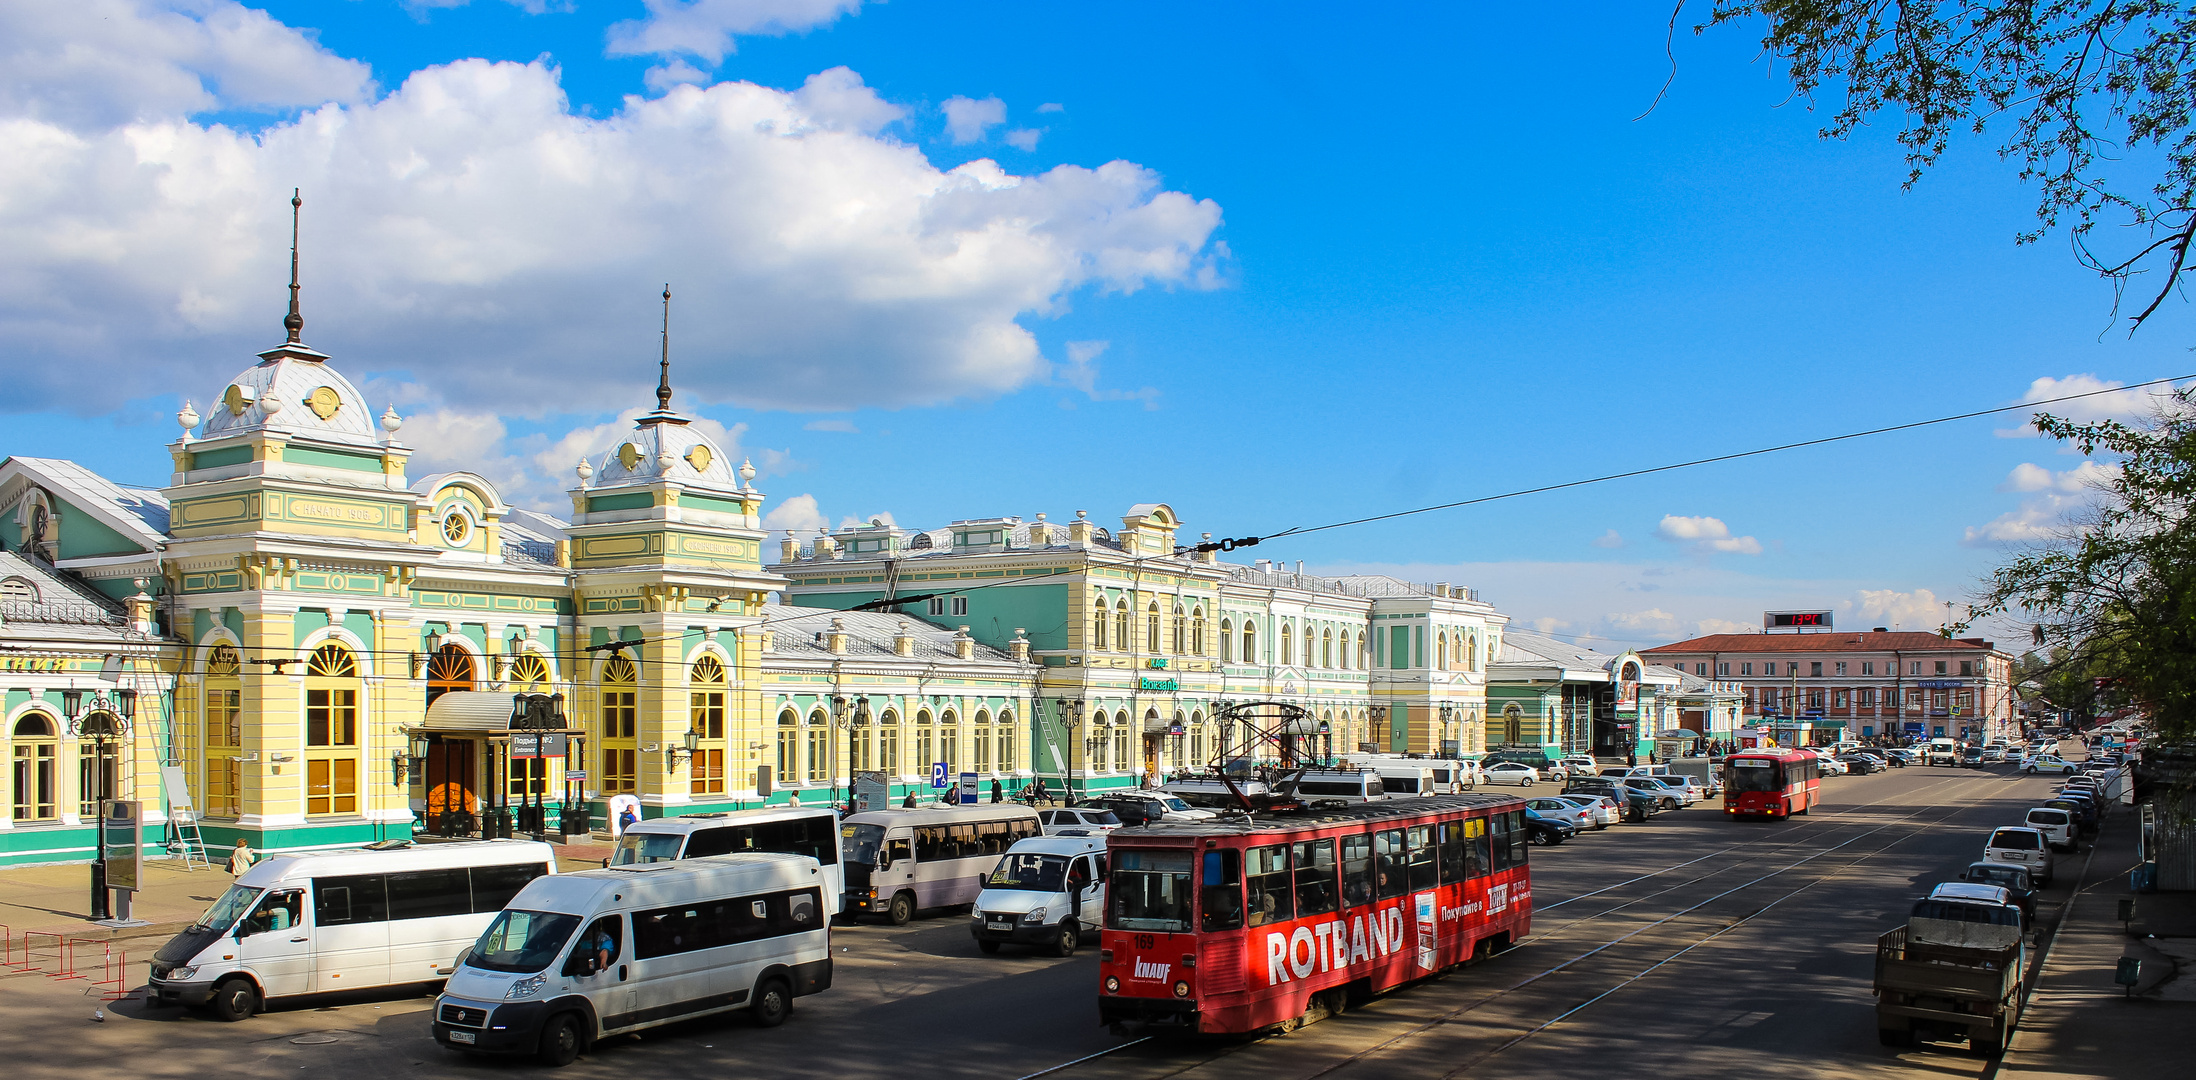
<point x="1638" y="805"/>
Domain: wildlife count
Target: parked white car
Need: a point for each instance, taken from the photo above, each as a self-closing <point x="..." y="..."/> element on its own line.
<point x="2050" y="763"/>
<point x="1511" y="772"/>
<point x="1078" y="821"/>
<point x="2021" y="845"/>
<point x="2057" y="826"/>
<point x="1604" y="809"/>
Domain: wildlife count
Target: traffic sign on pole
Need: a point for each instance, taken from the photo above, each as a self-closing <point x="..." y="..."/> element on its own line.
<point x="938" y="776"/>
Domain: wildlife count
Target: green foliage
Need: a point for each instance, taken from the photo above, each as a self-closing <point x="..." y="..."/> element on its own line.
<point x="2115" y="596"/>
<point x="2090" y="96"/>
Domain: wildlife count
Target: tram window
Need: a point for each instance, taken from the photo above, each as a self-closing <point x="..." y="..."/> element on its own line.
<point x="1478" y="848"/>
<point x="1150" y="890"/>
<point x="1315" y="885"/>
<point x="1389" y="863"/>
<point x="1498" y="828"/>
<point x="1266" y="872"/>
<point x="1422" y="874"/>
<point x="1450" y="838"/>
<point x="1223" y="897"/>
<point x="1357" y="869"/>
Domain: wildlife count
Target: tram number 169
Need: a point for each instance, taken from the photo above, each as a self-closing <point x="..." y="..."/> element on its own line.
<point x="1146" y="941"/>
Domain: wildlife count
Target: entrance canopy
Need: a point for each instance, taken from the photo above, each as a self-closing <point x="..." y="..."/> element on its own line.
<point x="475" y="712"/>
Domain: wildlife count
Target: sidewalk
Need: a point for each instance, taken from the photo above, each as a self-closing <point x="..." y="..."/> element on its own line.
<point x="57" y="899"/>
<point x="2079" y="1023"/>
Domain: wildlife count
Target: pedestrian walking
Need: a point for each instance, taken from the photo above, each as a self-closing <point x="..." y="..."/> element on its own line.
<point x="909" y="802"/>
<point x="998" y="792"/>
<point x="241" y="859"/>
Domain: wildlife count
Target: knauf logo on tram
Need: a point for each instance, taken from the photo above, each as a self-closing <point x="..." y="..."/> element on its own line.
<point x="1148" y="970"/>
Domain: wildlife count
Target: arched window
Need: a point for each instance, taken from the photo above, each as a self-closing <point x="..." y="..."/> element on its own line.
<point x="789" y="745"/>
<point x="1363" y="662"/>
<point x="923" y="740"/>
<point x="331" y="731"/>
<point x="888" y="743"/>
<point x="1250" y="642"/>
<point x="981" y="737"/>
<point x="1121" y="626"/>
<point x="1197" y="757"/>
<point x="450" y="668"/>
<point x="37" y="774"/>
<point x="224" y="714"/>
<point x="949" y="740"/>
<point x="1288" y="653"/>
<point x="1151" y="628"/>
<point x="819" y="747"/>
<point x="99" y="748"/>
<point x="1005" y="729"/>
<point x="1441" y="652"/>
<point x="1181" y="630"/>
<point x="529" y="674"/>
<point x="1227" y="640"/>
<point x="1098" y="625"/>
<point x="1513" y="723"/>
<point x="705" y="701"/>
<point x="1326" y="648"/>
<point x="1197" y="631"/>
<point x="620" y="716"/>
<point x="1121" y="757"/>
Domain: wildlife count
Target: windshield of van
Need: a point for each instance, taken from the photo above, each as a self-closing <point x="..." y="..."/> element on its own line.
<point x="226" y="911"/>
<point x="646" y="848"/>
<point x="522" y="941"/>
<point x="1149" y="890"/>
<point x="858" y="843"/>
<point x="1036" y="873"/>
<point x="2016" y="841"/>
<point x="2047" y="817"/>
<point x="1172" y="803"/>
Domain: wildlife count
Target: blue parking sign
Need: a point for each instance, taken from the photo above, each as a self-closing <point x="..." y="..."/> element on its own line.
<point x="938" y="775"/>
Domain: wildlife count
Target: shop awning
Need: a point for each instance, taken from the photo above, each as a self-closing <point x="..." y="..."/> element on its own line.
<point x="477" y="712"/>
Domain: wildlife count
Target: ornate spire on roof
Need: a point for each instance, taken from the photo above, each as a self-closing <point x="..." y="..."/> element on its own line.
<point x="663" y="384"/>
<point x="294" y="322"/>
<point x="663" y="413"/>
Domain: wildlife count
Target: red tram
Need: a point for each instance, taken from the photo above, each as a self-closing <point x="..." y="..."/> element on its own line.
<point x="1238" y="926"/>
<point x="1770" y="783"/>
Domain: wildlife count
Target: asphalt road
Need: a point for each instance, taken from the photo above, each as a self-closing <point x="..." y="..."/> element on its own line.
<point x="1687" y="947"/>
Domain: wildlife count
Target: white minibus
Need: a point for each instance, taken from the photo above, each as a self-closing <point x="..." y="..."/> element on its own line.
<point x="1340" y="786"/>
<point x="1047" y="892"/>
<point x="390" y="914"/>
<point x="585" y="955"/>
<point x="795" y="830"/>
<point x="898" y="861"/>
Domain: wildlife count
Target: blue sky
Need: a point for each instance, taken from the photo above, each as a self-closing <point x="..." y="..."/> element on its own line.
<point x="1349" y="263"/>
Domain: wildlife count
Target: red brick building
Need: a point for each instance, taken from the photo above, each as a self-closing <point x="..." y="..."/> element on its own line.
<point x="1816" y="687"/>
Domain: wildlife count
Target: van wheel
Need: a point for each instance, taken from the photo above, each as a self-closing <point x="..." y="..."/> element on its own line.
<point x="902" y="910"/>
<point x="1064" y="945"/>
<point x="235" y="999"/>
<point x="560" y="1041"/>
<point x="773" y="1003"/>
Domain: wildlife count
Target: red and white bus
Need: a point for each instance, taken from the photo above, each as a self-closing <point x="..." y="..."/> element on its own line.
<point x="1770" y="783"/>
<point x="1244" y="925"/>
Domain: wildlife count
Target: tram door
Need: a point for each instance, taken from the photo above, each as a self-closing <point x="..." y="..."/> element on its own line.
<point x="453" y="800"/>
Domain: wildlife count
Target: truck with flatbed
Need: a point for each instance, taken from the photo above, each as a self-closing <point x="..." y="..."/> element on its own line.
<point x="1954" y="971"/>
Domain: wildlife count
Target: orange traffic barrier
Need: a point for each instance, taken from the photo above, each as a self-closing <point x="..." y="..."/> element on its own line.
<point x="8" y="962"/>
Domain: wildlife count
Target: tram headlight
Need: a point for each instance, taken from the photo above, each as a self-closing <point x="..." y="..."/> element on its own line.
<point x="1113" y="984"/>
<point x="1181" y="989"/>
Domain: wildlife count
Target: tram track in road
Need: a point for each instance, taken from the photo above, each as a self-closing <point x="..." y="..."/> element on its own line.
<point x="1748" y="849"/>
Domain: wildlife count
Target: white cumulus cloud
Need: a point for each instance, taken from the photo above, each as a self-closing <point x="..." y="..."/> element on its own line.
<point x="471" y="229"/>
<point x="1705" y="535"/>
<point x="2052" y="498"/>
<point x="97" y="63"/>
<point x="1611" y="539"/>
<point x="2109" y="401"/>
<point x="1920" y="609"/>
<point x="967" y="119"/>
<point x="706" y="28"/>
<point x="798" y="514"/>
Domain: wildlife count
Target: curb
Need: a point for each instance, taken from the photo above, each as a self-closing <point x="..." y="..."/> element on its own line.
<point x="2043" y="960"/>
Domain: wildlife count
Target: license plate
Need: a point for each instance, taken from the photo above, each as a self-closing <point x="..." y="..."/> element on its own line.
<point x="462" y="1036"/>
<point x="1001" y="924"/>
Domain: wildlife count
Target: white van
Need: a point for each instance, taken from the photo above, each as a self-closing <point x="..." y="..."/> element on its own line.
<point x="898" y="861"/>
<point x="1941" y="752"/>
<point x="1402" y="776"/>
<point x="2057" y="826"/>
<point x="1046" y="892"/>
<point x="390" y="914"/>
<point x="581" y="956"/>
<point x="1341" y="786"/>
<point x="795" y="830"/>
<point x="2021" y="846"/>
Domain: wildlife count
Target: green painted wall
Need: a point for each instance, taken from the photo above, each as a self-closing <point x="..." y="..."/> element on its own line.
<point x="328" y="459"/>
<point x="226" y="456"/>
<point x="83" y="536"/>
<point x="638" y="500"/>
